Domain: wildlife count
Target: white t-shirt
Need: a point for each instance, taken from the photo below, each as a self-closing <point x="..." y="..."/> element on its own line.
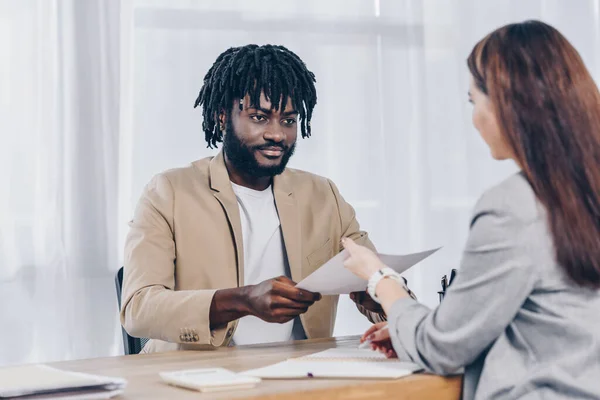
<point x="264" y="258"/>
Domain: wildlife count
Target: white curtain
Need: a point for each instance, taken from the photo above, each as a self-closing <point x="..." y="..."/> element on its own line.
<point x="94" y="102"/>
<point x="59" y="97"/>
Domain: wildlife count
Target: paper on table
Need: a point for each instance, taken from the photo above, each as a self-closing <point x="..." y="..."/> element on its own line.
<point x="337" y="363"/>
<point x="83" y="395"/>
<point x="37" y="379"/>
<point x="333" y="278"/>
<point x="293" y="369"/>
<point x="347" y="354"/>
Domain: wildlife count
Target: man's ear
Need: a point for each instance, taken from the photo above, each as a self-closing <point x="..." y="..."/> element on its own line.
<point x="222" y="120"/>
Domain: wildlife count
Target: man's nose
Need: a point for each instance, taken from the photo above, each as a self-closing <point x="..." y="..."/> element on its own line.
<point x="274" y="133"/>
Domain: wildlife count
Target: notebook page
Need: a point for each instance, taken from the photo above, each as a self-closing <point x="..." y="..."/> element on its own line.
<point x="307" y="368"/>
<point x="348" y="354"/>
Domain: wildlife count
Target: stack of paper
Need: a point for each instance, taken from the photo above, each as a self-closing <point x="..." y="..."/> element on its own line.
<point x="44" y="382"/>
<point x="338" y="363"/>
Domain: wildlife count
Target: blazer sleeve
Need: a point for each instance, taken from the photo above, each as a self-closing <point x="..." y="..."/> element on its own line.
<point x="151" y="307"/>
<point x="495" y="278"/>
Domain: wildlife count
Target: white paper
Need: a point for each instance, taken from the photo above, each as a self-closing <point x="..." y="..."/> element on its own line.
<point x="32" y="379"/>
<point x="302" y="369"/>
<point x="333" y="278"/>
<point x="340" y="362"/>
<point x="348" y="354"/>
<point x="82" y="395"/>
<point x="209" y="379"/>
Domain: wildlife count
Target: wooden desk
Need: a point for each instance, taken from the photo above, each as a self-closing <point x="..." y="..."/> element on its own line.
<point x="141" y="372"/>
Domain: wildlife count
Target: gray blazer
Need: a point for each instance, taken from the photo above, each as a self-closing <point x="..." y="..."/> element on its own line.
<point x="511" y="318"/>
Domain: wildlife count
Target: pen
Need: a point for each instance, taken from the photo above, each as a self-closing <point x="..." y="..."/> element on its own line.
<point x="367" y="343"/>
<point x="452" y="276"/>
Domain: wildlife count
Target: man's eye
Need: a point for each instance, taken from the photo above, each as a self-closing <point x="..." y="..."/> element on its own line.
<point x="289" y="121"/>
<point x="258" y="118"/>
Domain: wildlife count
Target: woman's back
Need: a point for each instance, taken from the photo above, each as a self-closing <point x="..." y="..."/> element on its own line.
<point x="551" y="349"/>
<point x="522" y="314"/>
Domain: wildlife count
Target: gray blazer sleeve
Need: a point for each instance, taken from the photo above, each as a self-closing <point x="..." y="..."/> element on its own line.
<point x="495" y="277"/>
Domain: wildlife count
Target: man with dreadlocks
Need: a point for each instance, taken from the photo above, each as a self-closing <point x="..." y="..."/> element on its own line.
<point x="215" y="247"/>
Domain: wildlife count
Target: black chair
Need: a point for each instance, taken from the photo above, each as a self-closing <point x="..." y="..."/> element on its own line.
<point x="131" y="345"/>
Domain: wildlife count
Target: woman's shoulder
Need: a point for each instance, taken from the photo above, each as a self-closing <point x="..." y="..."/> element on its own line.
<point x="514" y="198"/>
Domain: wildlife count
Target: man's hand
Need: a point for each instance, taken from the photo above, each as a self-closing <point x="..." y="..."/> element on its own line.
<point x="278" y="300"/>
<point x="275" y="300"/>
<point x="363" y="299"/>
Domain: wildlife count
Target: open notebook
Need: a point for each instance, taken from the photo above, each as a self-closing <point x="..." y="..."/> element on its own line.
<point x="348" y="363"/>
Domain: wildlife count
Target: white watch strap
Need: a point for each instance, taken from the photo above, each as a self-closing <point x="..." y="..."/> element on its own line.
<point x="378" y="276"/>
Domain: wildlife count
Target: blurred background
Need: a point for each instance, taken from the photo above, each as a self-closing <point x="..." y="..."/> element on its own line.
<point x="96" y="96"/>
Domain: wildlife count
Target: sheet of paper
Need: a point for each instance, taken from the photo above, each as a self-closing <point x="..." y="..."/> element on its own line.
<point x="333" y="278"/>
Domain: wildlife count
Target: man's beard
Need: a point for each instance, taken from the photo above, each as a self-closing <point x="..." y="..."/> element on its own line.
<point x="243" y="157"/>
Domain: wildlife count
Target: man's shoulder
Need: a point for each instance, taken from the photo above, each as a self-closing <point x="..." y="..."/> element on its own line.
<point x="191" y="177"/>
<point x="193" y="173"/>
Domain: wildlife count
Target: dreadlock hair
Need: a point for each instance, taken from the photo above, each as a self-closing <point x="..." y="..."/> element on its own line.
<point x="250" y="70"/>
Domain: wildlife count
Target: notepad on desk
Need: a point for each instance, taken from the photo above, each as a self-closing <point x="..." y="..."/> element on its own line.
<point x="338" y="363"/>
<point x="209" y="379"/>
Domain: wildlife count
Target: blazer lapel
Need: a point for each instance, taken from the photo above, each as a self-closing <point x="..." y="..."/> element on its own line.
<point x="220" y="184"/>
<point x="289" y="219"/>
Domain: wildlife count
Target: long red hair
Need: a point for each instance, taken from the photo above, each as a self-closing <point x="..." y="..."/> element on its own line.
<point x="548" y="108"/>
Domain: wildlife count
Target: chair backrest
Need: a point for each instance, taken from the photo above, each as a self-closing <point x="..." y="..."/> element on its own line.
<point x="131" y="345"/>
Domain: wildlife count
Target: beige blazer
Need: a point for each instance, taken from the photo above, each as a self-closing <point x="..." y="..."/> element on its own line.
<point x="185" y="242"/>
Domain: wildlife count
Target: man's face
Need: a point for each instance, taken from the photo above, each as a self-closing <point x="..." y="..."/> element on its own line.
<point x="259" y="141"/>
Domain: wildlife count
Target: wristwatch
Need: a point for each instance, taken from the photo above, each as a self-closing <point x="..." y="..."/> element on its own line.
<point x="385" y="272"/>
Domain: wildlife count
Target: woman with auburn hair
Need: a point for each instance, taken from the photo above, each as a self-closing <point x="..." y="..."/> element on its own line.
<point x="523" y="314"/>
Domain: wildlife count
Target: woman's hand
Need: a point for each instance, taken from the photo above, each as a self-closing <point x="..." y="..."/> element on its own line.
<point x="379" y="336"/>
<point x="362" y="261"/>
